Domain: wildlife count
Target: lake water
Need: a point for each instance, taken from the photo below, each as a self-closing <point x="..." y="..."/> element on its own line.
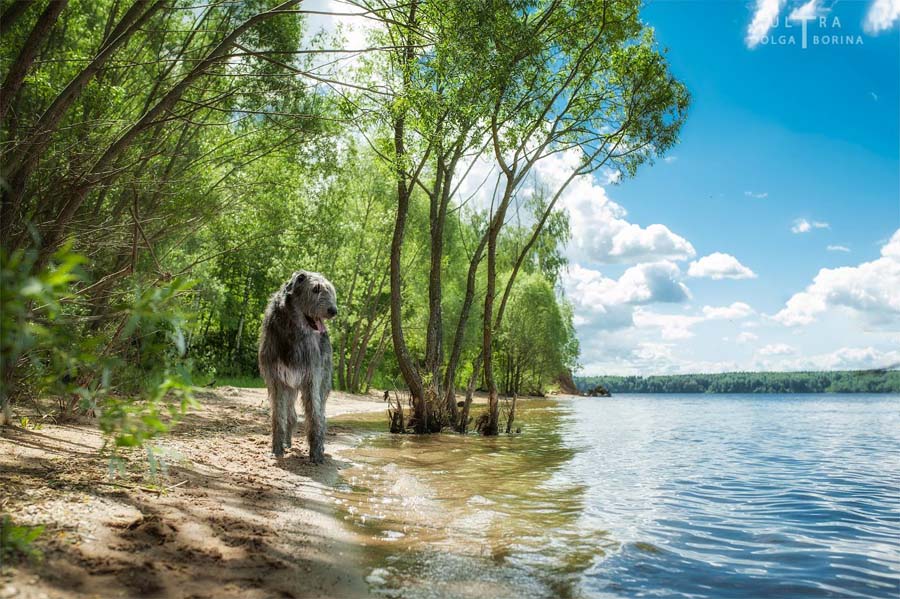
<point x="639" y="496"/>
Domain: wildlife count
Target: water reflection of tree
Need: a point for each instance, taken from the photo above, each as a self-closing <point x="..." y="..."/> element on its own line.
<point x="501" y="503"/>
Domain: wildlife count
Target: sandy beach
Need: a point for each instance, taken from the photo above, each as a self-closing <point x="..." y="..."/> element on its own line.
<point x="221" y="518"/>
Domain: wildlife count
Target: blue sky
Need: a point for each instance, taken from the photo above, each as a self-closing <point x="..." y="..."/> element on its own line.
<point x="776" y="133"/>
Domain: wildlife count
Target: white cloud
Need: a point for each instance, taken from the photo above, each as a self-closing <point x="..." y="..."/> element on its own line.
<point x="844" y="358"/>
<point x="632" y="243"/>
<point x="838" y="248"/>
<point x="757" y="195"/>
<point x="847" y="358"/>
<point x="801" y="225"/>
<point x="764" y="17"/>
<point x="882" y="15"/>
<point x="806" y="11"/>
<point x="653" y="353"/>
<point x="642" y="284"/>
<point x="735" y="311"/>
<point x="720" y="266"/>
<point x="746" y="337"/>
<point x="869" y="289"/>
<point x="776" y="349"/>
<point x="670" y="159"/>
<point x="601" y="234"/>
<point x="678" y="326"/>
<point x="672" y="326"/>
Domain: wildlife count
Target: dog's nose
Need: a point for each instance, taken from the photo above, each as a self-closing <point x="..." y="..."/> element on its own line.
<point x="332" y="312"/>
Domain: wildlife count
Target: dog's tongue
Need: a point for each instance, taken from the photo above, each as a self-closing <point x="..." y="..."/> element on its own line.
<point x="320" y="325"/>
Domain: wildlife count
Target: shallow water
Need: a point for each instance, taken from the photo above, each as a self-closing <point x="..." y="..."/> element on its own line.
<point x="639" y="495"/>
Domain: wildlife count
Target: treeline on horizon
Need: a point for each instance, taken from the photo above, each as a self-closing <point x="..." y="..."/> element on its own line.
<point x="839" y="381"/>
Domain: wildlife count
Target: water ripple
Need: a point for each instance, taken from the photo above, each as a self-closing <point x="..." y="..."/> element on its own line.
<point x="641" y="496"/>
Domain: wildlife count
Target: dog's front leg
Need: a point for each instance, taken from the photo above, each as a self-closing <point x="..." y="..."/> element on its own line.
<point x="314" y="413"/>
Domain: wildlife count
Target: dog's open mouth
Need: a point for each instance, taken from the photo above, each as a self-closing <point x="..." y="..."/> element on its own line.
<point x="315" y="323"/>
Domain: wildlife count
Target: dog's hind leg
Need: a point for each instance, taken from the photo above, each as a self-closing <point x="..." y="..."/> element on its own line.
<point x="277" y="432"/>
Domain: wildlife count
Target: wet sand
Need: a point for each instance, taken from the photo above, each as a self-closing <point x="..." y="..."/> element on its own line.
<point x="221" y="518"/>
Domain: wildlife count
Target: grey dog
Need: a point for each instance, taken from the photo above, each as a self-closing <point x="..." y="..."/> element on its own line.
<point x="295" y="357"/>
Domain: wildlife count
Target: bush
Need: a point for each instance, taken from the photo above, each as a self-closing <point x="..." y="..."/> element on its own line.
<point x="131" y="374"/>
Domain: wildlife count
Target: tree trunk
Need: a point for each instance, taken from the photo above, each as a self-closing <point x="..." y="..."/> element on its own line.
<point x="404" y="191"/>
<point x="376" y="360"/>
<point x="456" y="351"/>
<point x="407" y="369"/>
<point x="15" y="10"/>
<point x="463" y="424"/>
<point x="17" y="71"/>
<point x="240" y="331"/>
<point x="434" y="329"/>
<point x="493" y="424"/>
<point x="512" y="414"/>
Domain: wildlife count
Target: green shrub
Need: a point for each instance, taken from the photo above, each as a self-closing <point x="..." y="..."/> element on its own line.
<point x="132" y="374"/>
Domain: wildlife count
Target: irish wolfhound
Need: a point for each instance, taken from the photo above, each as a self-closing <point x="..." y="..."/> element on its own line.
<point x="295" y="356"/>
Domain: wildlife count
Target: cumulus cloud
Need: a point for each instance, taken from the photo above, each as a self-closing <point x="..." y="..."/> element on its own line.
<point x="776" y="349"/>
<point x="882" y="15"/>
<point x="847" y="358"/>
<point x="631" y="242"/>
<point x="671" y="326"/>
<point x="720" y="266"/>
<point x="844" y="358"/>
<point x="870" y="289"/>
<point x="601" y="234"/>
<point x="804" y="12"/>
<point x="653" y="353"/>
<point x="678" y="326"/>
<point x="801" y="225"/>
<point x="641" y="284"/>
<point x="764" y="16"/>
<point x="838" y="248"/>
<point x="746" y="337"/>
<point x="735" y="311"/>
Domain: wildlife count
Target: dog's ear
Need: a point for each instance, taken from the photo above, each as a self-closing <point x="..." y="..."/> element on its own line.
<point x="296" y="281"/>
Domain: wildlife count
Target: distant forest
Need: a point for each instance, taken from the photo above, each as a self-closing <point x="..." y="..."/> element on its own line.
<point x="843" y="381"/>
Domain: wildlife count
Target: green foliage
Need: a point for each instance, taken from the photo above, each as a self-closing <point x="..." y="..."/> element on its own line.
<point x="844" y="381"/>
<point x="132" y="376"/>
<point x="537" y="340"/>
<point x="235" y="174"/>
<point x="17" y="541"/>
<point x="30" y="307"/>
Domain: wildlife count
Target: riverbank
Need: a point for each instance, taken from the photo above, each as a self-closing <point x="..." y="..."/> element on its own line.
<point x="221" y="518"/>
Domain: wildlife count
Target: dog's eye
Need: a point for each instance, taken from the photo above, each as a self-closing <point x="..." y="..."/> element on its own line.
<point x="317" y="288"/>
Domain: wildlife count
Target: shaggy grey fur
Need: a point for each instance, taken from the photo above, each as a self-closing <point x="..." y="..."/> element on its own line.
<point x="295" y="356"/>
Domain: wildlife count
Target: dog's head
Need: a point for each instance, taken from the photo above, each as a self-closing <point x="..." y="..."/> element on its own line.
<point x="313" y="296"/>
